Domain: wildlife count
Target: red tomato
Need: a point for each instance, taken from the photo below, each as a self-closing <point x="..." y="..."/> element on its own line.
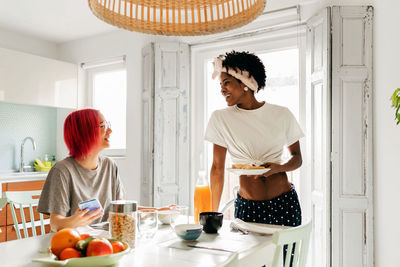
<point x="117" y="246"/>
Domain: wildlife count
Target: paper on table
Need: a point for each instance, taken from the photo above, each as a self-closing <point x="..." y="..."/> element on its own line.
<point x="93" y="232"/>
<point x="101" y="226"/>
<point x="269" y="229"/>
<point x="234" y="246"/>
<point x="234" y="242"/>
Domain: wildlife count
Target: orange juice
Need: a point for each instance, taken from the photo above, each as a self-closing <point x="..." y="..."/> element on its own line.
<point x="202" y="200"/>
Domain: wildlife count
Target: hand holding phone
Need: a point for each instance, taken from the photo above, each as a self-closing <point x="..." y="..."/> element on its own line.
<point x="92" y="205"/>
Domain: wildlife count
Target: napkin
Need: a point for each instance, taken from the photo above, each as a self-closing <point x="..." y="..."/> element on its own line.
<point x="92" y="231"/>
<point x="268" y="229"/>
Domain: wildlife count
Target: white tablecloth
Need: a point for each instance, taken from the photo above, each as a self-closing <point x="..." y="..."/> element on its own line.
<point x="166" y="249"/>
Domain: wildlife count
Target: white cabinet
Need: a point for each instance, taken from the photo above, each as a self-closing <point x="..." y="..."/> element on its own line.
<point x="30" y="79"/>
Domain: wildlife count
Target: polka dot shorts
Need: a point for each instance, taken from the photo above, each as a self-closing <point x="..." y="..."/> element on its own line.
<point x="282" y="210"/>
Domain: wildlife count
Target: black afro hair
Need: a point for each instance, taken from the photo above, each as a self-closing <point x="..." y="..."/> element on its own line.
<point x="246" y="61"/>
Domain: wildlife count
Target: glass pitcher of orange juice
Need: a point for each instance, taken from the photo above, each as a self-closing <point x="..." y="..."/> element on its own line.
<point x="202" y="196"/>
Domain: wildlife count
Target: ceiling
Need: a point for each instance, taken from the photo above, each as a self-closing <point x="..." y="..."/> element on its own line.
<point x="51" y="20"/>
<point x="62" y="21"/>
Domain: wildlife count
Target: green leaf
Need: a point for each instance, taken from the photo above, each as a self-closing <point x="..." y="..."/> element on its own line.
<point x="396" y="104"/>
<point x="395" y="98"/>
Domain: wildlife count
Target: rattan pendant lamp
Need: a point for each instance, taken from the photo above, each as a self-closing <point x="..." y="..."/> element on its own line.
<point x="177" y="17"/>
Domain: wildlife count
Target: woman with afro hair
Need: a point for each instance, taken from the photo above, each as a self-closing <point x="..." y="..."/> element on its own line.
<point x="82" y="176"/>
<point x="254" y="133"/>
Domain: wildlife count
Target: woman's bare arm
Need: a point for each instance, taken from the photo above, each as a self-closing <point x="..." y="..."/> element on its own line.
<point x="294" y="163"/>
<point x="217" y="176"/>
<point x="79" y="218"/>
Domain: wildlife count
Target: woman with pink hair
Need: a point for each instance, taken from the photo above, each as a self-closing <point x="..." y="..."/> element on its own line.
<point x="82" y="176"/>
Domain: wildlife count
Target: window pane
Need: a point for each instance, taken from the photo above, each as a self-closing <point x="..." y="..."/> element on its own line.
<point x="109" y="96"/>
<point x="282" y="85"/>
<point x="282" y="88"/>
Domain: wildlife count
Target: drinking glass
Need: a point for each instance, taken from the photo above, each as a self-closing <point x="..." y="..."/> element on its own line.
<point x="147" y="223"/>
<point x="179" y="215"/>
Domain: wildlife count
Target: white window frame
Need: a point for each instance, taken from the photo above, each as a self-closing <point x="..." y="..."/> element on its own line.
<point x="292" y="37"/>
<point x="91" y="70"/>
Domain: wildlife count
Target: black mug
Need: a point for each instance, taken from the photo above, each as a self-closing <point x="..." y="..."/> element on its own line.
<point x="211" y="221"/>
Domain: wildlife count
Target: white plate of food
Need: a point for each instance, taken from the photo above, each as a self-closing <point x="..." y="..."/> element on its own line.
<point x="243" y="169"/>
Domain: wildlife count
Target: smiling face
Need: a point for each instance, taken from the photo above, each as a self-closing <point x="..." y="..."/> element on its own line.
<point x="231" y="89"/>
<point x="105" y="132"/>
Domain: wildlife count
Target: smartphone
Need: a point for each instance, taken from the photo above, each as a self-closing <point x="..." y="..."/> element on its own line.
<point x="92" y="205"/>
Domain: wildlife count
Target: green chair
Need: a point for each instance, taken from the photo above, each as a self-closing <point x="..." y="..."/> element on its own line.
<point x="300" y="236"/>
<point x="20" y="200"/>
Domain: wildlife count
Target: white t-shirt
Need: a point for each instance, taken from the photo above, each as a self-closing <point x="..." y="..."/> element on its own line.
<point x="254" y="136"/>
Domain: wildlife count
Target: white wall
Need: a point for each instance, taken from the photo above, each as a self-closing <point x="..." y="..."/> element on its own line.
<point x="91" y="49"/>
<point x="27" y="44"/>
<point x="111" y="45"/>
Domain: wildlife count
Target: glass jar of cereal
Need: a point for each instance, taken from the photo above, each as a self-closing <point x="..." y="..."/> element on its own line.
<point x="122" y="220"/>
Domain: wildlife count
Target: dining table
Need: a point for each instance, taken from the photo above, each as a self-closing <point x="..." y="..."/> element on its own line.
<point x="228" y="247"/>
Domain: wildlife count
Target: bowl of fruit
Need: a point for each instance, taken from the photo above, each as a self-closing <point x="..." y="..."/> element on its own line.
<point x="69" y="248"/>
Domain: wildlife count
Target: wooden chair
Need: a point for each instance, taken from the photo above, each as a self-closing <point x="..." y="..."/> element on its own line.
<point x="297" y="237"/>
<point x="25" y="199"/>
<point x="3" y="203"/>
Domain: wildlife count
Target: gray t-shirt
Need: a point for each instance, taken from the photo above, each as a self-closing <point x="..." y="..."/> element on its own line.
<point x="68" y="183"/>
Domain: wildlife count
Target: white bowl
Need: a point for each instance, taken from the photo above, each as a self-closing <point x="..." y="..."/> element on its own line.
<point x="167" y="216"/>
<point x="188" y="231"/>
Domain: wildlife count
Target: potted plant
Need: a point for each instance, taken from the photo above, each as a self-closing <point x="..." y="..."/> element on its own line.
<point x="396" y="104"/>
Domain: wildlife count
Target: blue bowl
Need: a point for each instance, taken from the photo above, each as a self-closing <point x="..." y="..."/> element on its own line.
<point x="188" y="231"/>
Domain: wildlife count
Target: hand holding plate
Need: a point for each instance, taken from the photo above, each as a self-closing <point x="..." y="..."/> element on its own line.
<point x="273" y="168"/>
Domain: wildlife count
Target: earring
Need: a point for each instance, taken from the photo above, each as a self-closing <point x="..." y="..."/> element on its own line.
<point x="246" y="89"/>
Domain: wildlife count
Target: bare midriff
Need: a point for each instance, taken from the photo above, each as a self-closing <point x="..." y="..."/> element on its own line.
<point x="252" y="188"/>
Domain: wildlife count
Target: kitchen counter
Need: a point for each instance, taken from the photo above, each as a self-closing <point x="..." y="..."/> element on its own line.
<point x="18" y="177"/>
<point x="10" y="177"/>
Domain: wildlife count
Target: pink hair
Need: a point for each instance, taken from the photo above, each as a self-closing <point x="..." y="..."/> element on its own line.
<point x="82" y="132"/>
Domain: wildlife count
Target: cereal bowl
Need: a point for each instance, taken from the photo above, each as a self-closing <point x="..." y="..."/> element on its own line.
<point x="188" y="231"/>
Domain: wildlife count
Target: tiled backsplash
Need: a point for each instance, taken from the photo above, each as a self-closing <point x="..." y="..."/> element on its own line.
<point x="19" y="121"/>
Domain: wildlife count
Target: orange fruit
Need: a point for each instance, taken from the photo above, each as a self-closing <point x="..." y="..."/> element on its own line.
<point x="84" y="236"/>
<point x="117" y="246"/>
<point x="68" y="253"/>
<point x="99" y="246"/>
<point x="65" y="238"/>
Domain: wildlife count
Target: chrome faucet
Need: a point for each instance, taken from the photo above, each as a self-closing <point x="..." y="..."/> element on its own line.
<point x="22" y="165"/>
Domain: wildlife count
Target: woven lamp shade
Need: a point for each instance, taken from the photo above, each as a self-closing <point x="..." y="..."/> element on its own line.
<point x="177" y="17"/>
